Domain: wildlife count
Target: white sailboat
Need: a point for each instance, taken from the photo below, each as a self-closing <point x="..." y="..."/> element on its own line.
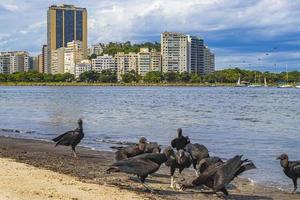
<point x="287" y="80"/>
<point x="255" y="85"/>
<point x="265" y="82"/>
<point x="298" y="86"/>
<point x="238" y="83"/>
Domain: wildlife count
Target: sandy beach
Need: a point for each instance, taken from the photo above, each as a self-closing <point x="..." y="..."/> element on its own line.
<point x="22" y="181"/>
<point x="31" y="169"/>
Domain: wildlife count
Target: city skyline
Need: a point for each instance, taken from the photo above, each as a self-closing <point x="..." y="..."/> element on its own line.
<point x="240" y="33"/>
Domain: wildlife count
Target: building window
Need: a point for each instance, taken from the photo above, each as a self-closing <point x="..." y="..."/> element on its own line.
<point x="79" y="23"/>
<point x="59" y="28"/>
<point x="69" y="26"/>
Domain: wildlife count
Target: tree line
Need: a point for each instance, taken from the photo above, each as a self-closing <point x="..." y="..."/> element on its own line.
<point x="113" y="48"/>
<point x="108" y="76"/>
<point x="221" y="76"/>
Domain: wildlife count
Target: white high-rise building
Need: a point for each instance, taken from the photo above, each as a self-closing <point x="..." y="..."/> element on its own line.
<point x="103" y="63"/>
<point x="73" y="55"/>
<point x="15" y="61"/>
<point x="4" y="63"/>
<point x="175" y="52"/>
<point x="183" y="53"/>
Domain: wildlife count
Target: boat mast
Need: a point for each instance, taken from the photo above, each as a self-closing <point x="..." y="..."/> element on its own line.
<point x="239" y="80"/>
<point x="287" y="74"/>
<point x="265" y="80"/>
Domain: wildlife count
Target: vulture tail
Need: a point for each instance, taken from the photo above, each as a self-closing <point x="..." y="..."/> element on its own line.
<point x="250" y="165"/>
<point x="59" y="137"/>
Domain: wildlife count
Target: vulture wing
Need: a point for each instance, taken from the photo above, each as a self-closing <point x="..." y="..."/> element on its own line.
<point x="226" y="172"/>
<point x="138" y="166"/>
<point x="296" y="168"/>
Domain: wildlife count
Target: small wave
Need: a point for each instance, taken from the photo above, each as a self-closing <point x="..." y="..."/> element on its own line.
<point x="246" y="119"/>
<point x="17" y="131"/>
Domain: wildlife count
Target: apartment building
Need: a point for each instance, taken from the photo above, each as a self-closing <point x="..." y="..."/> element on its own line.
<point x="73" y="54"/>
<point x="185" y="53"/>
<point x="83" y="66"/>
<point x="126" y="63"/>
<point x="175" y="52"/>
<point x="103" y="63"/>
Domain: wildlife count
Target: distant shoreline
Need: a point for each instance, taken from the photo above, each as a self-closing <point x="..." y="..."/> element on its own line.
<point x="124" y="84"/>
<point x="115" y="84"/>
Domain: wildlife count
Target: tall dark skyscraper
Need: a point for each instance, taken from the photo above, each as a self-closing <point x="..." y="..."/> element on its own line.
<point x="66" y="23"/>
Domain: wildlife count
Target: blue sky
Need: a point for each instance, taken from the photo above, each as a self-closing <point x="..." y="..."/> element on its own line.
<point x="252" y="34"/>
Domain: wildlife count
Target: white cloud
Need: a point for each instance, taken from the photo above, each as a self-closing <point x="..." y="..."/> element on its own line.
<point x="123" y="20"/>
<point x="9" y="6"/>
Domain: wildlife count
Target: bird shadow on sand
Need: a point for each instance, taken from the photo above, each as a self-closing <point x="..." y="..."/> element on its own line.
<point x="141" y="189"/>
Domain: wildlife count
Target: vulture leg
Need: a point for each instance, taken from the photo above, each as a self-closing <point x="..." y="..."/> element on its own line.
<point x="172" y="182"/>
<point x="172" y="170"/>
<point x="224" y="191"/>
<point x="295" y="185"/>
<point x="74" y="152"/>
<point x="145" y="185"/>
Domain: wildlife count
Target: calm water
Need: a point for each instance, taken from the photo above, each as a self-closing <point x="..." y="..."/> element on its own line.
<point x="259" y="123"/>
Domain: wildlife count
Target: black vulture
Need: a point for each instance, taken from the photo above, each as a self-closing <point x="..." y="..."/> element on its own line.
<point x="71" y="138"/>
<point x="181" y="141"/>
<point x="180" y="160"/>
<point x="218" y="176"/>
<point x="290" y="168"/>
<point x="133" y="150"/>
<point x="141" y="165"/>
<point x="198" y="152"/>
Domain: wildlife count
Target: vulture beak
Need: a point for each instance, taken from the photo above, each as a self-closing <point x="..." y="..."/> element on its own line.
<point x="278" y="158"/>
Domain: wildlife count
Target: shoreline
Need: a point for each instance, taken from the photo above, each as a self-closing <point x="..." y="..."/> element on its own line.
<point x="179" y="84"/>
<point x="115" y="84"/>
<point x="90" y="168"/>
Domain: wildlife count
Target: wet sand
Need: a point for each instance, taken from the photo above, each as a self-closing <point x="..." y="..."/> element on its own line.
<point x="36" y="164"/>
